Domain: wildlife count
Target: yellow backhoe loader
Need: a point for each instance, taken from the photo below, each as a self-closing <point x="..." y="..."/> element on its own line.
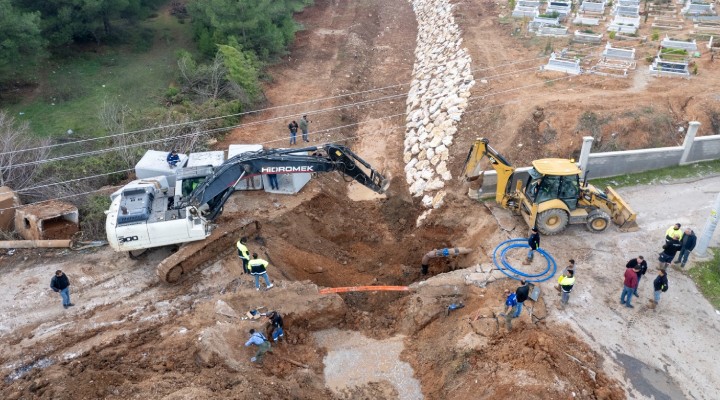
<point x="553" y="195"/>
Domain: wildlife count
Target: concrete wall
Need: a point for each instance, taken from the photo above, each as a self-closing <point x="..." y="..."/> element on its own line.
<point x="603" y="165"/>
<point x="705" y="148"/>
<point x="615" y="163"/>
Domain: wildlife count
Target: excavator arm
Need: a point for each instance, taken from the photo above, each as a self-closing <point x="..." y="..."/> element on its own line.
<point x="210" y="195"/>
<point x="478" y="151"/>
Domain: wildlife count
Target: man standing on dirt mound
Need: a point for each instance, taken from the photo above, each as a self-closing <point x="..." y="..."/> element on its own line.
<point x="258" y="268"/>
<point x="293" y="126"/>
<point x="511" y="305"/>
<point x="60" y="283"/>
<point x="521" y="294"/>
<point x="244" y="254"/>
<point x="304" y="128"/>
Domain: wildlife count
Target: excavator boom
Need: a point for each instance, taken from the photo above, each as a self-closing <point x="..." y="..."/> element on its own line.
<point x="214" y="191"/>
<point x="504" y="169"/>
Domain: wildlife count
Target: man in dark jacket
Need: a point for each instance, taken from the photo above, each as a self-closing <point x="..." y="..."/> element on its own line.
<point x="670" y="248"/>
<point x="521" y="294"/>
<point x="173" y="159"/>
<point x="534" y="244"/>
<point x="660" y="284"/>
<point x="629" y="286"/>
<point x="61" y="284"/>
<point x="275" y="326"/>
<point x="687" y="245"/>
<point x="293" y="126"/>
<point x="640" y="263"/>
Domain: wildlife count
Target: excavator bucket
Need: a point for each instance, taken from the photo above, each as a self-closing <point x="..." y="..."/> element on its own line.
<point x="622" y="215"/>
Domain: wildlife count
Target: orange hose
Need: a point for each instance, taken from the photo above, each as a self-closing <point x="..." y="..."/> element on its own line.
<point x="364" y="289"/>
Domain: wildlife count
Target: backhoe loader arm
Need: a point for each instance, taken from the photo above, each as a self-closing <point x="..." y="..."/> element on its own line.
<point x="504" y="170"/>
<point x="213" y="192"/>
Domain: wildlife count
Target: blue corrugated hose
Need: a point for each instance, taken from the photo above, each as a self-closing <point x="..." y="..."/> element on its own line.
<point x="513" y="273"/>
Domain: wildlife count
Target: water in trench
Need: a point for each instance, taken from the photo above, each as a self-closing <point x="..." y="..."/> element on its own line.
<point x="355" y="360"/>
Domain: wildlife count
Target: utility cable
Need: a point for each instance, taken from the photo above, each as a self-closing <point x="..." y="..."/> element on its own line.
<point x="263" y="110"/>
<point x="390" y="129"/>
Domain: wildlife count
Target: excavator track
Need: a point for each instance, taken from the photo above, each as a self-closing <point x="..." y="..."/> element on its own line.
<point x="196" y="254"/>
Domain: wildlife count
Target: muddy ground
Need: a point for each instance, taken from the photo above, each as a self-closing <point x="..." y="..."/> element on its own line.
<point x="131" y="337"/>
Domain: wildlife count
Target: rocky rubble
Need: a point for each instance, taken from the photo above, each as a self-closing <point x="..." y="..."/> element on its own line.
<point x="442" y="79"/>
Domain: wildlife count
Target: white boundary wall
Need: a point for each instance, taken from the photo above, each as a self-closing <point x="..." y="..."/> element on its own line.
<point x="616" y="163"/>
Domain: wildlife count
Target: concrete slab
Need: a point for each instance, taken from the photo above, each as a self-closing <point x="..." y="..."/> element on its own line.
<point x="154" y="163"/>
<point x="47" y="221"/>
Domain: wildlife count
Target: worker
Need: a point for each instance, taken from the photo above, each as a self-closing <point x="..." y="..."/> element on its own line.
<point x="60" y="283"/>
<point x="688" y="245"/>
<point x="660" y="284"/>
<point x="173" y="158"/>
<point x="521" y="294"/>
<point x="259" y="340"/>
<point x="534" y="244"/>
<point x="566" y="285"/>
<point x="304" y="127"/>
<point x="244" y="254"/>
<point x="510" y="308"/>
<point x="642" y="266"/>
<point x="275" y="325"/>
<point x="673" y="231"/>
<point x="258" y="268"/>
<point x="670" y="249"/>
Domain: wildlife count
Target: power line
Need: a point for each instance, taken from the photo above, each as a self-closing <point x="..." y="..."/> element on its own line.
<point x="262" y="110"/>
<point x="155" y="141"/>
<point x="371" y="120"/>
<point x="74" y="180"/>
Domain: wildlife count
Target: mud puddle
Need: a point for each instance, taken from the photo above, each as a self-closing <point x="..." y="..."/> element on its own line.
<point x="650" y="382"/>
<point x="355" y="360"/>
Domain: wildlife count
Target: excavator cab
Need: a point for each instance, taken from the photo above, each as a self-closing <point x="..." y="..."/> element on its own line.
<point x="551" y="195"/>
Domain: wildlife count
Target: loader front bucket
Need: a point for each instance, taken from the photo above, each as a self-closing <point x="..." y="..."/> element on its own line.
<point x="622" y="215"/>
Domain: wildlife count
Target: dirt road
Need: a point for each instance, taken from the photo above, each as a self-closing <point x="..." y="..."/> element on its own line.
<point x="679" y="338"/>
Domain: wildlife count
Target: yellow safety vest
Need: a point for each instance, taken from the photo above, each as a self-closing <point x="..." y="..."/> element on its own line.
<point x="257" y="266"/>
<point x="671" y="232"/>
<point x="244" y="253"/>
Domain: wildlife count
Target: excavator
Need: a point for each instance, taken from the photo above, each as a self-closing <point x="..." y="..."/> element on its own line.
<point x="144" y="214"/>
<point x="553" y="195"/>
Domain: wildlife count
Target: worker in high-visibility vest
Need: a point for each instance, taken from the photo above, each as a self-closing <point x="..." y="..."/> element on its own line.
<point x="244" y="254"/>
<point x="566" y="282"/>
<point x="258" y="268"/>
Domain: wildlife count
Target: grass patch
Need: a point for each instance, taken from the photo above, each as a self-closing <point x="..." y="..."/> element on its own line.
<point x="73" y="88"/>
<point x="706" y="275"/>
<point x="661" y="175"/>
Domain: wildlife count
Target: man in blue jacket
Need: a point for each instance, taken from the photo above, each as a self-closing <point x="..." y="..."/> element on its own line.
<point x="61" y="284"/>
<point x="173" y="159"/>
<point x="259" y="340"/>
<point x="510" y="308"/>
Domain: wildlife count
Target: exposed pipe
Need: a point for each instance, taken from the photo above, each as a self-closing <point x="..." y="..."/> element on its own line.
<point x="31" y="244"/>
<point x="364" y="289"/>
<point x="447" y="252"/>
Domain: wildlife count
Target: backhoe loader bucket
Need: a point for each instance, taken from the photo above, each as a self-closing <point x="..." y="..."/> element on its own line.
<point x="622" y="215"/>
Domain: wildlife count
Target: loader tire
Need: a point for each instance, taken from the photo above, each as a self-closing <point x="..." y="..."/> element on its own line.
<point x="597" y="221"/>
<point x="552" y="221"/>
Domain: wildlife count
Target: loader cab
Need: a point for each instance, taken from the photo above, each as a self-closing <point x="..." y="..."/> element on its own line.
<point x="553" y="179"/>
